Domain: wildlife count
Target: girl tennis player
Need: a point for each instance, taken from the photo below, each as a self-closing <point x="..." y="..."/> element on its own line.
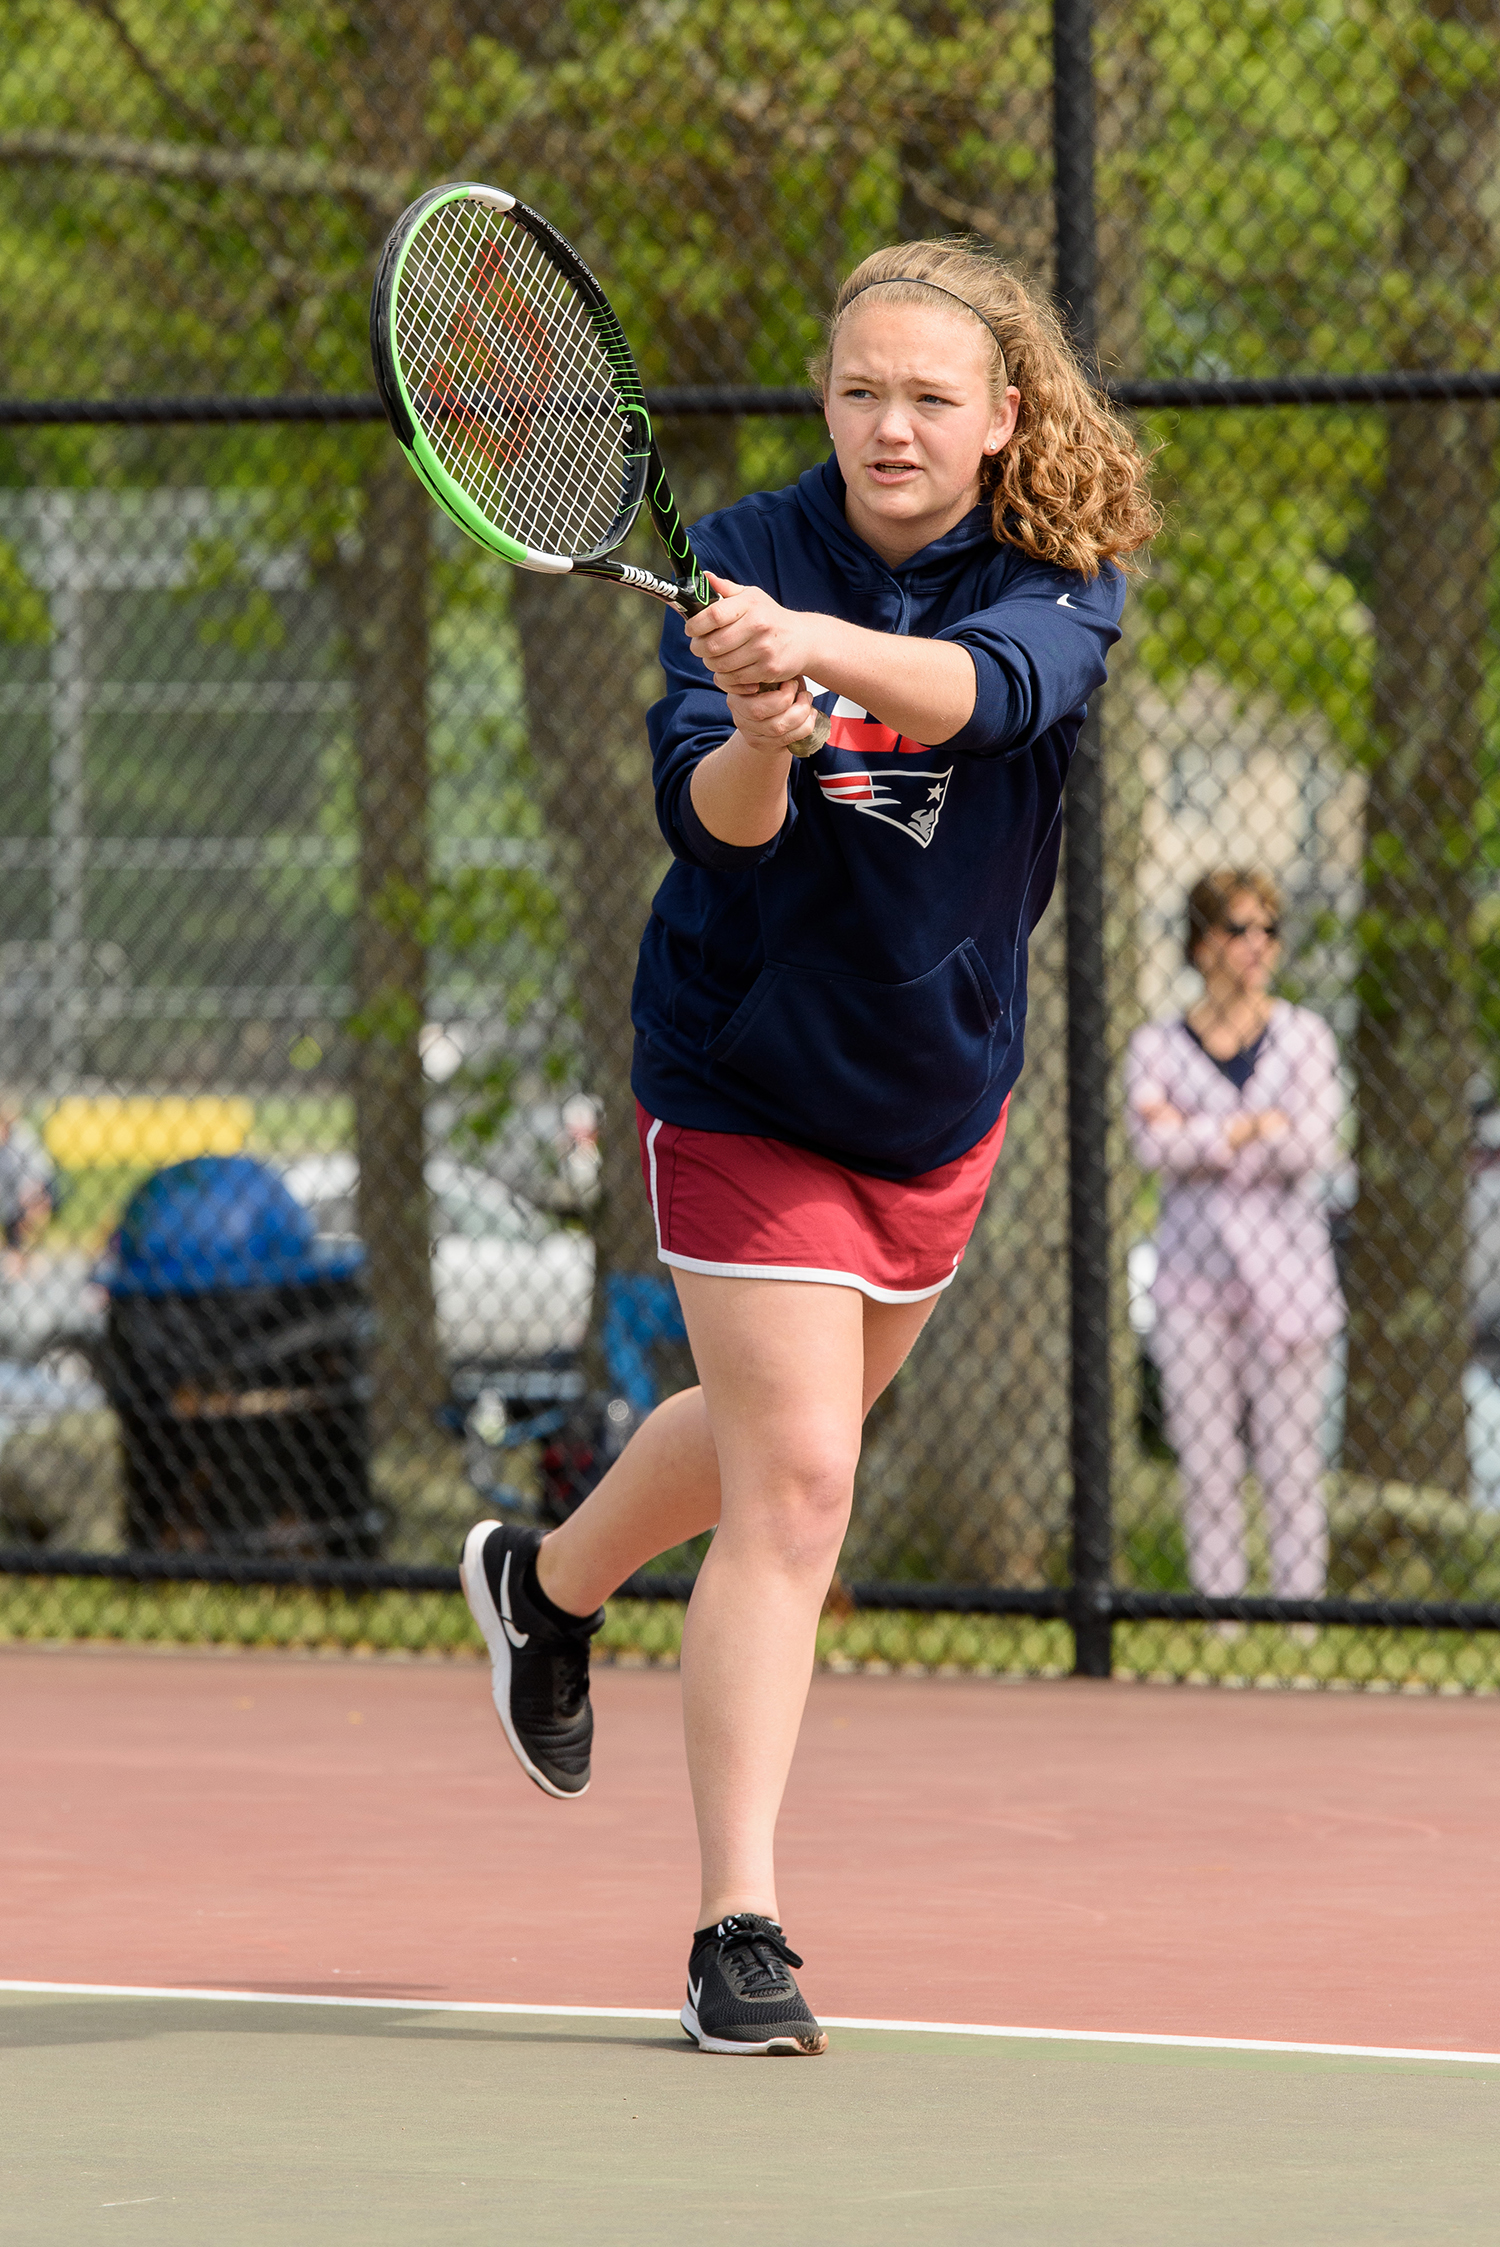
<point x="828" y="1011"/>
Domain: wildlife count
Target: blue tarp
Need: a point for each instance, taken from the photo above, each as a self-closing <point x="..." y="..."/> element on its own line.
<point x="639" y="1311"/>
<point x="219" y="1221"/>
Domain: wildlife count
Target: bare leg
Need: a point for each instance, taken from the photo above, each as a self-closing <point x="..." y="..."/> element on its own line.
<point x="789" y="1369"/>
<point x="663" y="1489"/>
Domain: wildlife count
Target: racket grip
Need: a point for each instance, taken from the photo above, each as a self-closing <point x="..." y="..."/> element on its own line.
<point x="809" y="743"/>
<point x="806" y="744"/>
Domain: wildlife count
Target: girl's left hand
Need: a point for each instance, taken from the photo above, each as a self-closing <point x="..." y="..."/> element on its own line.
<point x="775" y="718"/>
<point x="747" y="638"/>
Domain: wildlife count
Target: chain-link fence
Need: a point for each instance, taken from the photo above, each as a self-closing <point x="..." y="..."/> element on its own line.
<point x="328" y="842"/>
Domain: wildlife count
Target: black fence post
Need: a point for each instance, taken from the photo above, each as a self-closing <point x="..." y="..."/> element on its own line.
<point x="1075" y="245"/>
<point x="1090" y="1388"/>
<point x="1090" y="1398"/>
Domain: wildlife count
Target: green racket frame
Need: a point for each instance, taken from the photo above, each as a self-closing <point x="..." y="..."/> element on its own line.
<point x="688" y="591"/>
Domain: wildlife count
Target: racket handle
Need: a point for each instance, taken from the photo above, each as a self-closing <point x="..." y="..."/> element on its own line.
<point x="694" y="595"/>
<point x="806" y="744"/>
<point x="809" y="743"/>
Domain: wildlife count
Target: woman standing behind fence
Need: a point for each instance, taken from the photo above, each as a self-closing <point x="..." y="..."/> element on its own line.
<point x="1237" y="1105"/>
<point x="828" y="1016"/>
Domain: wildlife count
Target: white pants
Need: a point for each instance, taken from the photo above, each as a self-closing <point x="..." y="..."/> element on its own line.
<point x="1216" y="1374"/>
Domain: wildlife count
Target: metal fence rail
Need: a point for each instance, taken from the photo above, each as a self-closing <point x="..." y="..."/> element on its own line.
<point x="1392" y="386"/>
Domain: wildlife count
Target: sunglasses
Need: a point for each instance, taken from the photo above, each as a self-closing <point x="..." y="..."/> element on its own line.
<point x="1271" y="929"/>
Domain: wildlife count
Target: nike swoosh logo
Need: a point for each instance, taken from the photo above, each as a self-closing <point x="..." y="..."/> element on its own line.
<point x="517" y="1638"/>
<point x="1063" y="602"/>
<point x="695" y="1991"/>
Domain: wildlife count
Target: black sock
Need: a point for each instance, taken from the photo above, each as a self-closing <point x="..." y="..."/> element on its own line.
<point x="558" y="1616"/>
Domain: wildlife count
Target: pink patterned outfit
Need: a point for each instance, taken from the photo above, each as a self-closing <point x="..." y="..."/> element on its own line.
<point x="1247" y="1298"/>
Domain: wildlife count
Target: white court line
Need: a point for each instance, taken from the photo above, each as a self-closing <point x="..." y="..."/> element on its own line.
<point x="828" y="2020"/>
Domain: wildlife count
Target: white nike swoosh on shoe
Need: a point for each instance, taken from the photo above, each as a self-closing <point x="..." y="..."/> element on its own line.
<point x="517" y="1638"/>
<point x="695" y="1991"/>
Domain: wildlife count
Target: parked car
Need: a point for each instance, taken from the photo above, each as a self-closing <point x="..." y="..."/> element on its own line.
<point x="1484" y="1228"/>
<point x="48" y="1297"/>
<point x="510" y="1282"/>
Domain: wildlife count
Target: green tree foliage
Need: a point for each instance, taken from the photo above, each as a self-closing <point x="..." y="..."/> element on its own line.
<point x="192" y="200"/>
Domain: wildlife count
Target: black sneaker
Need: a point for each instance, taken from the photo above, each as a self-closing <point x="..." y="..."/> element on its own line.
<point x="741" y="1996"/>
<point x="539" y="1672"/>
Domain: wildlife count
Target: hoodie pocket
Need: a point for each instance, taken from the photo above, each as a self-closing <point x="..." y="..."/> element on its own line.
<point x="876" y="1071"/>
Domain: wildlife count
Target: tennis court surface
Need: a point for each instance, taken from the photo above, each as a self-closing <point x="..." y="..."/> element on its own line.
<point x="1060" y="1858"/>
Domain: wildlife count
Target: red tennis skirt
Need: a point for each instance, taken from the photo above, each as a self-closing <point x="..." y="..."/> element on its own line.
<point x="739" y="1207"/>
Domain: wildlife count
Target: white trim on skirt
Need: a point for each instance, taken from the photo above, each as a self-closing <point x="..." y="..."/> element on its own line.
<point x="807" y="1272"/>
<point x="779" y="1271"/>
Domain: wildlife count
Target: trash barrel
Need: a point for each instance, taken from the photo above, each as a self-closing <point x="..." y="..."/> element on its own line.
<point x="236" y="1361"/>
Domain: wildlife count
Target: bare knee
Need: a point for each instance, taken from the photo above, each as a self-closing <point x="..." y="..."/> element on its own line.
<point x="796" y="1509"/>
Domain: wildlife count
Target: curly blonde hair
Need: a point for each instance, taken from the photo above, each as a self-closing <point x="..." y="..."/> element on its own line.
<point x="1071" y="486"/>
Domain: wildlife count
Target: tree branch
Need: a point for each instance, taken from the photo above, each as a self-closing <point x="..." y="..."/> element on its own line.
<point x="269" y="171"/>
<point x="108" y="13"/>
<point x="933" y="197"/>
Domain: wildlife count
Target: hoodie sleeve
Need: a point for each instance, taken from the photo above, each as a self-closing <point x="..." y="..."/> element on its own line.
<point x="1038" y="656"/>
<point x="1313" y="1106"/>
<point x="692" y="719"/>
<point x="1195" y="1144"/>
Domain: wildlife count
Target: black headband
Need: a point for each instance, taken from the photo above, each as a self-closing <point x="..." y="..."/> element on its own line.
<point x="917" y="280"/>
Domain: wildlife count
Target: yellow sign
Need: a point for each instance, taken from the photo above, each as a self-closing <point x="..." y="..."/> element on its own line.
<point x="117" y="1134"/>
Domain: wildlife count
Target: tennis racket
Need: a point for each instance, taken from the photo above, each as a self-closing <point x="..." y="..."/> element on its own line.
<point x="513" y="393"/>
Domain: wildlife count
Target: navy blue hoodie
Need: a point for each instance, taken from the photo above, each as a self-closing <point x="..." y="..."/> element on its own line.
<point x="858" y="984"/>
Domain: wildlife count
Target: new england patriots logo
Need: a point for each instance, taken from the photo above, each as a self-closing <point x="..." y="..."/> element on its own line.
<point x="910" y="799"/>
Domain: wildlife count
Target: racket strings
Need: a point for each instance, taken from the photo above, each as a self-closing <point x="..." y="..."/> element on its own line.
<point x="511" y="381"/>
<point x="497" y="367"/>
<point x="500" y="373"/>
